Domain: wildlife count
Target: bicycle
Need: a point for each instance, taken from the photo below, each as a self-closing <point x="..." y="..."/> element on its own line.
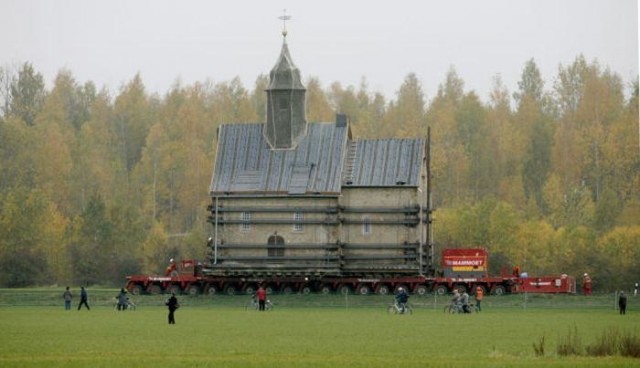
<point x="253" y="304"/>
<point x="455" y="308"/>
<point x="129" y="306"/>
<point x="399" y="308"/>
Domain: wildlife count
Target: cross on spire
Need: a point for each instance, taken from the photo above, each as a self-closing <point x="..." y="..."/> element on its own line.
<point x="284" y="17"/>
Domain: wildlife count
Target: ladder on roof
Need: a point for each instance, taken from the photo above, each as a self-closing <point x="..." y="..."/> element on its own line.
<point x="347" y="175"/>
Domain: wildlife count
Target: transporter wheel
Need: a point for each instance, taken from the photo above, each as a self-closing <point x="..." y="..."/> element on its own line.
<point x="364" y="289"/>
<point x="230" y="290"/>
<point x="498" y="290"/>
<point x="441" y="290"/>
<point x="287" y="290"/>
<point x="154" y="290"/>
<point x="420" y="290"/>
<point x="174" y="289"/>
<point x="383" y="290"/>
<point x="250" y="290"/>
<point x="137" y="290"/>
<point x="345" y="289"/>
<point x="325" y="289"/>
<point x="193" y="290"/>
<point x="306" y="290"/>
<point x="211" y="290"/>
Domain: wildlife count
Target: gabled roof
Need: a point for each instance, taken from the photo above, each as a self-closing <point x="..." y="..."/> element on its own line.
<point x="245" y="164"/>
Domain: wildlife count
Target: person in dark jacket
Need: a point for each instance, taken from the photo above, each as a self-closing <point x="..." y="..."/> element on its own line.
<point x="67" y="298"/>
<point x="622" y="303"/>
<point x="172" y="304"/>
<point x="402" y="298"/>
<point x="122" y="299"/>
<point x="83" y="298"/>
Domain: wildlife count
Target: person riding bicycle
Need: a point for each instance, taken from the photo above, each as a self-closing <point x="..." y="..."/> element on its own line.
<point x="401" y="298"/>
<point x="456" y="300"/>
<point x="464" y="299"/>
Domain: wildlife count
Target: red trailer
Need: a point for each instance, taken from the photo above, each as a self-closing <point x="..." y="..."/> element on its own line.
<point x="546" y="284"/>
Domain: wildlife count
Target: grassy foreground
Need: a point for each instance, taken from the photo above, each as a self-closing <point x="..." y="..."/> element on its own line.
<point x="219" y="332"/>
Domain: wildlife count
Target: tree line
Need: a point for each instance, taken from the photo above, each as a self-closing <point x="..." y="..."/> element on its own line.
<point x="95" y="186"/>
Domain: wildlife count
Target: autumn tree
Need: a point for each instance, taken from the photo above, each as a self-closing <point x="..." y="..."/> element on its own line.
<point x="533" y="113"/>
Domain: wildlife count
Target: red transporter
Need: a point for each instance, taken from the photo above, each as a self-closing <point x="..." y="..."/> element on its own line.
<point x="546" y="284"/>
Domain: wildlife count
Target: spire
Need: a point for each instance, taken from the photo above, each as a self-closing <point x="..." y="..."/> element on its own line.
<point x="286" y="118"/>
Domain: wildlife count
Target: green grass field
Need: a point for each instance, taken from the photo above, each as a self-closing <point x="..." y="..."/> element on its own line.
<point x="302" y="331"/>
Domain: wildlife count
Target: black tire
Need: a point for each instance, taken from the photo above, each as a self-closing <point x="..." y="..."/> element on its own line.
<point x="325" y="289"/>
<point x="364" y="289"/>
<point x="306" y="290"/>
<point x="345" y="289"/>
<point x="137" y="290"/>
<point x="383" y="290"/>
<point x="211" y="290"/>
<point x="421" y="290"/>
<point x="287" y="290"/>
<point x="154" y="289"/>
<point x="230" y="290"/>
<point x="498" y="290"/>
<point x="193" y="290"/>
<point x="250" y="290"/>
<point x="441" y="290"/>
<point x="174" y="289"/>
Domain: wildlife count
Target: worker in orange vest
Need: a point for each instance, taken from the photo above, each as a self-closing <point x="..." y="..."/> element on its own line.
<point x="479" y="297"/>
<point x="171" y="268"/>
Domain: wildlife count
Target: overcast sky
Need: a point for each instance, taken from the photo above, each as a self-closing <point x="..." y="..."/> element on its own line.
<point x="109" y="41"/>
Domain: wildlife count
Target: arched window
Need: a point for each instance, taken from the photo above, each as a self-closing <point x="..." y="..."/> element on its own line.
<point x="275" y="246"/>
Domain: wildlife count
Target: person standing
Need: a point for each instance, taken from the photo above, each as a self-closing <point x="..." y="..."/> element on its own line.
<point x="122" y="299"/>
<point x="83" y="298"/>
<point x="479" y="297"/>
<point x="622" y="303"/>
<point x="586" y="284"/>
<point x="172" y="304"/>
<point x="67" y="299"/>
<point x="402" y="298"/>
<point x="261" y="295"/>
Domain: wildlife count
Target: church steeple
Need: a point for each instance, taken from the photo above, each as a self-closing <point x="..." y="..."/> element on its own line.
<point x="286" y="117"/>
